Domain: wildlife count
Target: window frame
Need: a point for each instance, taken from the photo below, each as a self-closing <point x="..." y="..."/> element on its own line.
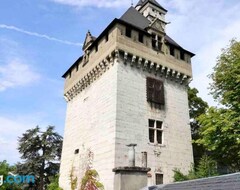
<point x="160" y="174"/>
<point x="155" y="130"/>
<point x="128" y="32"/>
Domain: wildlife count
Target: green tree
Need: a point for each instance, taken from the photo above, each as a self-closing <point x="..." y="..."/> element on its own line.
<point x="5" y="168"/>
<point x="220" y="127"/>
<point x="41" y="151"/>
<point x="197" y="106"/>
<point x="207" y="167"/>
<point x="54" y="185"/>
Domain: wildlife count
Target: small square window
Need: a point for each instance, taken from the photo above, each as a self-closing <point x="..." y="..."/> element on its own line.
<point x="159" y="179"/>
<point x="76" y="151"/>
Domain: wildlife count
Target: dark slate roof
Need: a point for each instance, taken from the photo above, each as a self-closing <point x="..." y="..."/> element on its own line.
<point x="169" y="40"/>
<point x="73" y="65"/>
<point x="225" y="182"/>
<point x="133" y="17"/>
<point x="144" y="2"/>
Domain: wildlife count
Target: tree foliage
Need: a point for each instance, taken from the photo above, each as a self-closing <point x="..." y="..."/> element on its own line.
<point x="54" y="185"/>
<point x="197" y="106"/>
<point x="41" y="151"/>
<point x="207" y="167"/>
<point x="220" y="127"/>
<point x="5" y="168"/>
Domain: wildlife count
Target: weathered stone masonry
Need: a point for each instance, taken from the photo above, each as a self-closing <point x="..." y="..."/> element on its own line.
<point x="107" y="107"/>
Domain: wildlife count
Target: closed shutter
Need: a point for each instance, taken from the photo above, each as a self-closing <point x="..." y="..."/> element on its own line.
<point x="159" y="92"/>
<point x="150" y="89"/>
<point x="155" y="91"/>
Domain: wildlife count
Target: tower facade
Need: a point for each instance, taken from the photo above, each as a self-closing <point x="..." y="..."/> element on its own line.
<point x="130" y="86"/>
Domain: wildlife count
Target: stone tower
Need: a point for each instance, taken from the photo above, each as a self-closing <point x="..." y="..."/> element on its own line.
<point x="130" y="86"/>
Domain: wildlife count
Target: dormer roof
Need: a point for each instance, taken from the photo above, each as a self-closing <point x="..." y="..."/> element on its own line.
<point x="89" y="39"/>
<point x="133" y="17"/>
<point x="142" y="3"/>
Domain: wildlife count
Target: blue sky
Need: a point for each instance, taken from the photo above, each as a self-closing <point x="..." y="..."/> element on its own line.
<point x="40" y="39"/>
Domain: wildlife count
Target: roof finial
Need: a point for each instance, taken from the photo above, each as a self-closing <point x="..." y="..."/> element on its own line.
<point x="132" y="3"/>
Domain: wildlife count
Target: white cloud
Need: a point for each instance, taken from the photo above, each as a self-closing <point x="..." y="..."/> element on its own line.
<point x="3" y="26"/>
<point x="204" y="28"/>
<point x="16" y="73"/>
<point x="95" y="3"/>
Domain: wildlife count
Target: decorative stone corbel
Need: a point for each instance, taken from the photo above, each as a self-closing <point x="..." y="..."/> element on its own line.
<point x="151" y="66"/>
<point x="162" y="71"/>
<point x="145" y="65"/>
<point x="168" y="73"/>
<point x="184" y="78"/>
<point x="125" y="57"/>
<point x="133" y="60"/>
<point x="139" y="62"/>
<point x="178" y="76"/>
<point x="173" y="74"/>
<point x="157" y="68"/>
<point x="116" y="54"/>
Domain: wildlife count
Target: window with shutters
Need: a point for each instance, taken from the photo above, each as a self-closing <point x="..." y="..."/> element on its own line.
<point x="155" y="131"/>
<point x="155" y="91"/>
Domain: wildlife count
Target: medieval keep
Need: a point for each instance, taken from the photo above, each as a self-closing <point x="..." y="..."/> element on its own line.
<point x="129" y="86"/>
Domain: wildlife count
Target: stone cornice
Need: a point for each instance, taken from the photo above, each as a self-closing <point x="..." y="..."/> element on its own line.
<point x="134" y="61"/>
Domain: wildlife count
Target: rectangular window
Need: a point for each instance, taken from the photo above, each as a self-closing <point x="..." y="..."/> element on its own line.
<point x="155" y="131"/>
<point x="154" y="41"/>
<point x="182" y="55"/>
<point x="106" y="37"/>
<point x="140" y="37"/>
<point x="172" y="50"/>
<point x="96" y="48"/>
<point x="128" y="32"/>
<point x="159" y="43"/>
<point x="159" y="179"/>
<point x="77" y="67"/>
<point x="155" y="91"/>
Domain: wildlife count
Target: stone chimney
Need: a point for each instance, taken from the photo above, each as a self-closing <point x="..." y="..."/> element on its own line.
<point x="131" y="177"/>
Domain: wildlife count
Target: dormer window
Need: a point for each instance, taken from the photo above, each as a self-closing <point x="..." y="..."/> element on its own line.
<point x="156" y="42"/>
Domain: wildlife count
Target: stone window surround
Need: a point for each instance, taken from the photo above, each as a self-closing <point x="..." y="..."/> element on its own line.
<point x="155" y="129"/>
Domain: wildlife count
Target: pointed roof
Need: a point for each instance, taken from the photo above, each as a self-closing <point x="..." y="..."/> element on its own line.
<point x="88" y="39"/>
<point x="133" y="17"/>
<point x="144" y="2"/>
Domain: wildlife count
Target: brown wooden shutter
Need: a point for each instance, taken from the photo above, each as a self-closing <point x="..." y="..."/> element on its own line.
<point x="155" y="91"/>
<point x="159" y="92"/>
<point x="150" y="89"/>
